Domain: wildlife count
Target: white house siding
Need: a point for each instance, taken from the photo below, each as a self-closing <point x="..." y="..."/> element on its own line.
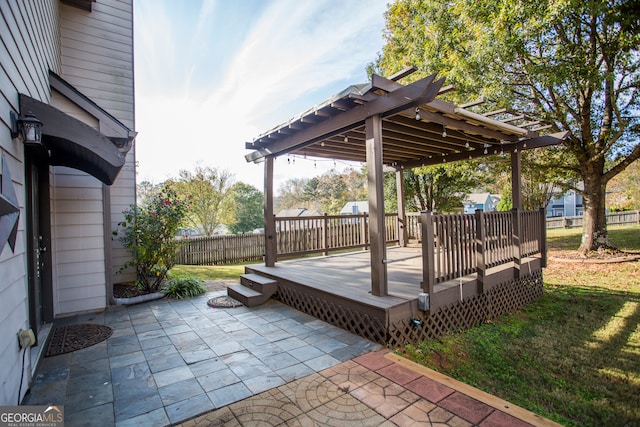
<point x="78" y="245"/>
<point x="23" y="25"/>
<point x="97" y="59"/>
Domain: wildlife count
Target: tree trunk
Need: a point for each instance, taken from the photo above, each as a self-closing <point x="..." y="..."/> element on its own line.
<point x="594" y="228"/>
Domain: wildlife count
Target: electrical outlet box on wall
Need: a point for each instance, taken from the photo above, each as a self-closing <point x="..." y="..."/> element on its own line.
<point x="26" y="338"/>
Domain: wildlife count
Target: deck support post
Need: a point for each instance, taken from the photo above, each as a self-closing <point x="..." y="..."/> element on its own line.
<point x="516" y="239"/>
<point x="375" y="179"/>
<point x="269" y="218"/>
<point x="480" y="255"/>
<point x="403" y="236"/>
<point x="428" y="254"/>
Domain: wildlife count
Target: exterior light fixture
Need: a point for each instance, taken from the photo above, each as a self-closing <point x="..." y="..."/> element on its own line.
<point x="418" y="114"/>
<point x="29" y="127"/>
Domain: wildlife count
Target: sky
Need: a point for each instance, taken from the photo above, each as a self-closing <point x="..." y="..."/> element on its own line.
<point x="212" y="75"/>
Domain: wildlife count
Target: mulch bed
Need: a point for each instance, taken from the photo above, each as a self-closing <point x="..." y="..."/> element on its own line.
<point x="127" y="290"/>
<point x="66" y="339"/>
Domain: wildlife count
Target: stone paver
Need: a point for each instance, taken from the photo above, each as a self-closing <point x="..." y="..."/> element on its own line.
<point x="184" y="363"/>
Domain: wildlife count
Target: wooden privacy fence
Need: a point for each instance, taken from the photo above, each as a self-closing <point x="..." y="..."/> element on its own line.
<point x="225" y="249"/>
<point x="614" y="218"/>
<point x="454" y="246"/>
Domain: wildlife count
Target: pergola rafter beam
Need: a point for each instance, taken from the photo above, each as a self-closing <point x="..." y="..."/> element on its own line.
<point x="416" y="93"/>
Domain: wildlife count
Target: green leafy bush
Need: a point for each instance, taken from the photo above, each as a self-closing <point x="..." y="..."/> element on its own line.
<point x="148" y="234"/>
<point x="184" y="287"/>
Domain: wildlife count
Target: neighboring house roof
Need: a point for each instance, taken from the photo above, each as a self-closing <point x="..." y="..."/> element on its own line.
<point x="477" y="198"/>
<point x="361" y="207"/>
<point x="297" y="212"/>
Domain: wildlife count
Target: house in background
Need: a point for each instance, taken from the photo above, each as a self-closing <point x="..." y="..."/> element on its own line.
<point x="565" y="204"/>
<point x="70" y="64"/>
<point x="294" y="214"/>
<point x="483" y="201"/>
<point x="355" y="208"/>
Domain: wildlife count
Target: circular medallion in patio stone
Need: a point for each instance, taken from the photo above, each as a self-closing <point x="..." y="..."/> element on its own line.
<point x="223" y="302"/>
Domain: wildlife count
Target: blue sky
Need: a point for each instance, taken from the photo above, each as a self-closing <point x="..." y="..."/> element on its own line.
<point x="211" y="75"/>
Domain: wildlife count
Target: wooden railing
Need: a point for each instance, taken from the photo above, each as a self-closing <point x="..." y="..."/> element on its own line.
<point x="295" y="237"/>
<point x="454" y="246"/>
<point x="298" y="236"/>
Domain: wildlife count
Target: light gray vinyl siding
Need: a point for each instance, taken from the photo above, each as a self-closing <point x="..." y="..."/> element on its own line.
<point x="97" y="59"/>
<point x="77" y="214"/>
<point x="28" y="50"/>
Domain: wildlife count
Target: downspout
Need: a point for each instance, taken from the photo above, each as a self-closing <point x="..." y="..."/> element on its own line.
<point x="108" y="261"/>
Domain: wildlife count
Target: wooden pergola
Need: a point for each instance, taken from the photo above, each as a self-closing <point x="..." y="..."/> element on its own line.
<point x="387" y="124"/>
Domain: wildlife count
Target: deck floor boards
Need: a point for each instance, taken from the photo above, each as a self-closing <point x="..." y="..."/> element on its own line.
<point x="349" y="275"/>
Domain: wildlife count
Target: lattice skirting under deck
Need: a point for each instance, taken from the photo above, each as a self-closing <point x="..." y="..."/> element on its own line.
<point x="499" y="300"/>
<point x="359" y="323"/>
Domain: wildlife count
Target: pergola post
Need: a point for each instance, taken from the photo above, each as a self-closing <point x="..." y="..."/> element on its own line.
<point x="516" y="201"/>
<point x="375" y="179"/>
<point x="269" y="218"/>
<point x="402" y="215"/>
<point x="516" y="181"/>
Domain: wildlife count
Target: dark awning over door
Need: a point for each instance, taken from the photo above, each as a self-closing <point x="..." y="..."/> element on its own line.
<point x="75" y="144"/>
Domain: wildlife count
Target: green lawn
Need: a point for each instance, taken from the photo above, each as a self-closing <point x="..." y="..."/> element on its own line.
<point x="572" y="356"/>
<point x="210" y="272"/>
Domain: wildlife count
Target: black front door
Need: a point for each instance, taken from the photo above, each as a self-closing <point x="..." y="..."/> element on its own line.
<point x="38" y="241"/>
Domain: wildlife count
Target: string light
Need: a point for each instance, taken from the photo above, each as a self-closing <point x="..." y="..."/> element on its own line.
<point x="346" y="138"/>
<point x="418" y="113"/>
<point x="467" y="144"/>
<point x="444" y="131"/>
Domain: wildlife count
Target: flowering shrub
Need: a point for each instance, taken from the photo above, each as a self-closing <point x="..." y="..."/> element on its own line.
<point x="148" y="232"/>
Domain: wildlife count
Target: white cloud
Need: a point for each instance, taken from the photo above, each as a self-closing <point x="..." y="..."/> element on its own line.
<point x="293" y="50"/>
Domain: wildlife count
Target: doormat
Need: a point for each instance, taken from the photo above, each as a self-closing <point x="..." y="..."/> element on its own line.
<point x="223" y="302"/>
<point x="66" y="339"/>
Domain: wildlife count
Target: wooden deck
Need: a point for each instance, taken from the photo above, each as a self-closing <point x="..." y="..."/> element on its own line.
<point x="337" y="288"/>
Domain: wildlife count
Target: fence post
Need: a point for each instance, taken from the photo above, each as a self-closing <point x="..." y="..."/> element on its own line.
<point x="480" y="255"/>
<point x="428" y="255"/>
<point x="543" y="238"/>
<point x="516" y="240"/>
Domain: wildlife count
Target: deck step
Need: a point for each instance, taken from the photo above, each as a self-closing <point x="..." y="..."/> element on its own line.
<point x="253" y="289"/>
<point x="262" y="284"/>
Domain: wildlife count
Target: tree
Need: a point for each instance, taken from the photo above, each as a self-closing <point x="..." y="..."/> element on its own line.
<point x="246" y="208"/>
<point x="206" y="188"/>
<point x="441" y="188"/>
<point x="145" y="191"/>
<point x="571" y="63"/>
<point x="623" y="192"/>
<point x="291" y="194"/>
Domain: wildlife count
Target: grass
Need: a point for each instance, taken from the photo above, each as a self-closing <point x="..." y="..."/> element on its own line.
<point x="210" y="272"/>
<point x="573" y="355"/>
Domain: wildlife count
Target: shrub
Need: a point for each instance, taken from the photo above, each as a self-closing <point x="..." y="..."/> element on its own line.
<point x="148" y="233"/>
<point x="184" y="287"/>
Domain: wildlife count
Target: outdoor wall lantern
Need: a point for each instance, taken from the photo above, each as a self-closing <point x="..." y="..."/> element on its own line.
<point x="29" y="127"/>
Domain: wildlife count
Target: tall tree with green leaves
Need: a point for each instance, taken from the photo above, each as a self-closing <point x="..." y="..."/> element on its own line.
<point x="206" y="188"/>
<point x="441" y="188"/>
<point x="571" y="63"/>
<point x="244" y="208"/>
